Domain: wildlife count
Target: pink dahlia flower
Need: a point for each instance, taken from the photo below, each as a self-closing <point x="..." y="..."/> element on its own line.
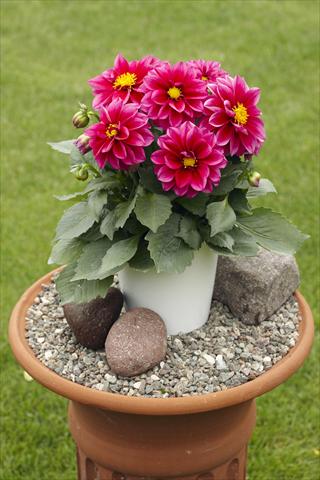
<point x="207" y="71"/>
<point x="120" y="136"/>
<point x="188" y="161"/>
<point x="234" y="117"/>
<point x="173" y="95"/>
<point x="122" y="81"/>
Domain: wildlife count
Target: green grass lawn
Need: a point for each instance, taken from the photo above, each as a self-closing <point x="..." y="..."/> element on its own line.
<point x="49" y="50"/>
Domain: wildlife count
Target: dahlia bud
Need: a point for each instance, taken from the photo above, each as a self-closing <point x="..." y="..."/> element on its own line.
<point x="81" y="118"/>
<point x="254" y="179"/>
<point x="82" y="144"/>
<point x="80" y="172"/>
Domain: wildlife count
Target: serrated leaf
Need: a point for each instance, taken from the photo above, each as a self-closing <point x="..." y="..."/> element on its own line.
<point x="91" y="259"/>
<point x="80" y="291"/>
<point x="92" y="234"/>
<point x="142" y="260"/>
<point x="238" y="201"/>
<point x="123" y="211"/>
<point x="96" y="201"/>
<point x="107" y="226"/>
<point x="152" y="210"/>
<point x="64" y="147"/>
<point x="196" y="205"/>
<point x="221" y="217"/>
<point x="118" y="255"/>
<point x="272" y="231"/>
<point x="265" y="187"/>
<point x="244" y="245"/>
<point x="75" y="221"/>
<point x="223" y="240"/>
<point x="115" y="219"/>
<point x="65" y="251"/>
<point x="169" y="253"/>
<point x="189" y="233"/>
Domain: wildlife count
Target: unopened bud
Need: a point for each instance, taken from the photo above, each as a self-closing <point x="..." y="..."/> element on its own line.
<point x="82" y="144"/>
<point x="254" y="179"/>
<point x="81" y="118"/>
<point x="82" y="174"/>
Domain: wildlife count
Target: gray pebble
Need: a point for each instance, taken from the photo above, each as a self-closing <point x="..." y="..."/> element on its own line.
<point x="222" y="354"/>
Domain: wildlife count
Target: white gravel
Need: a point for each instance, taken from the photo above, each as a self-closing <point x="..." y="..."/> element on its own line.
<point x="222" y="354"/>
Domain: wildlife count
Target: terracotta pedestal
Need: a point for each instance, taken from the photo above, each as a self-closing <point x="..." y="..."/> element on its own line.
<point x="208" y="445"/>
<point x="201" y="437"/>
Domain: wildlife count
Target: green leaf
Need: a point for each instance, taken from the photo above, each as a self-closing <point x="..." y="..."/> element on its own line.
<point x="221" y="217"/>
<point x="107" y="226"/>
<point x="169" y="253"/>
<point x="118" y="255"/>
<point x="272" y="231"/>
<point x="223" y="240"/>
<point x="149" y="181"/>
<point x="152" y="210"/>
<point x="244" y="245"/>
<point x="229" y="179"/>
<point x="63" y="147"/>
<point x="238" y="201"/>
<point x="80" y="291"/>
<point x="91" y="259"/>
<point x="123" y="211"/>
<point x="196" y="205"/>
<point x="75" y="221"/>
<point x="96" y="201"/>
<point x="189" y="233"/>
<point x="142" y="260"/>
<point x="70" y="196"/>
<point x="265" y="187"/>
<point x="92" y="234"/>
<point x="115" y="219"/>
<point x="65" y="251"/>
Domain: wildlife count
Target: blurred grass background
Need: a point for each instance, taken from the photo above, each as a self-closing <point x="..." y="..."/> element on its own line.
<point x="49" y="50"/>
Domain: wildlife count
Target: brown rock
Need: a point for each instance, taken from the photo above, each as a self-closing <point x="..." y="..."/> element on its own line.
<point x="136" y="342"/>
<point x="91" y="322"/>
<point x="255" y="287"/>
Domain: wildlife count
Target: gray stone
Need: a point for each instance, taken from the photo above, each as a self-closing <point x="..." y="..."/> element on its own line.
<point x="91" y="322"/>
<point x="136" y="342"/>
<point x="255" y="287"/>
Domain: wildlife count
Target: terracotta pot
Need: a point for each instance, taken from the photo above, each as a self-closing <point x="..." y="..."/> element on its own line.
<point x="128" y="438"/>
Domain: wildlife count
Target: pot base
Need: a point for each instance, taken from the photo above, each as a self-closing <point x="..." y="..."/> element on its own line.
<point x="231" y="470"/>
<point x="206" y="446"/>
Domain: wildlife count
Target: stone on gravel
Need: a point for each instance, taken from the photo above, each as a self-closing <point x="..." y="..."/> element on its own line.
<point x="136" y="342"/>
<point x="91" y="322"/>
<point x="247" y="351"/>
<point x="255" y="287"/>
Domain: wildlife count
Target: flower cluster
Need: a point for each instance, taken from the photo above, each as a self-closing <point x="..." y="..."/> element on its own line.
<point x="193" y="117"/>
<point x="167" y="150"/>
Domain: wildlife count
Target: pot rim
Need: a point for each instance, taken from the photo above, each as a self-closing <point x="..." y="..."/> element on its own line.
<point x="153" y="406"/>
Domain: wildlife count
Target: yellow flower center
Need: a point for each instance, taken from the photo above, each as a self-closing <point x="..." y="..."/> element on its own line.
<point x="174" y="93"/>
<point x="189" y="162"/>
<point x="111" y="130"/>
<point x="204" y="78"/>
<point x="125" y="80"/>
<point x="241" y="114"/>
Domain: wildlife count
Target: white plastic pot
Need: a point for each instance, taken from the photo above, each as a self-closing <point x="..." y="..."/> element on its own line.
<point x="182" y="299"/>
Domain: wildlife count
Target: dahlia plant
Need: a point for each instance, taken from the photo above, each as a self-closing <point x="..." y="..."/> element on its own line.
<point x="168" y="160"/>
